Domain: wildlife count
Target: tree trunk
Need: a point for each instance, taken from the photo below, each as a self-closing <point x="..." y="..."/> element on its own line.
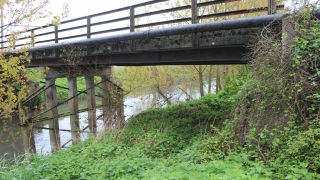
<point x="227" y="70"/>
<point x="200" y="72"/>
<point x="210" y="78"/>
<point x="163" y="96"/>
<point x="218" y="85"/>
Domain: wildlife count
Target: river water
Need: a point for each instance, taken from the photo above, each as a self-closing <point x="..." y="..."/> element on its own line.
<point x="11" y="142"/>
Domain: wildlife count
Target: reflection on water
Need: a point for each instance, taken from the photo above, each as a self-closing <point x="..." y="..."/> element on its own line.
<point x="134" y="105"/>
<point x="42" y="138"/>
<point x="12" y="142"/>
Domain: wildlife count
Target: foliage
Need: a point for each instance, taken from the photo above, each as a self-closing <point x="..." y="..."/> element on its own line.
<point x="157" y="144"/>
<point x="160" y="79"/>
<point x="157" y="79"/>
<point x="175" y="143"/>
<point x="117" y="161"/>
<point x="14" y="77"/>
<point x="277" y="119"/>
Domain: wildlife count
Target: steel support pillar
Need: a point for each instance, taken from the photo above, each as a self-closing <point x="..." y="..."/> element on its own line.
<point x="28" y="139"/>
<point x="120" y="108"/>
<point x="51" y="105"/>
<point x="194" y="20"/>
<point x="106" y="98"/>
<point x="74" y="108"/>
<point x="27" y="130"/>
<point x="272" y="7"/>
<point x="91" y="104"/>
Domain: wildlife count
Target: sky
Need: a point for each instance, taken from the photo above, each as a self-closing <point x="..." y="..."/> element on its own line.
<point x="80" y="8"/>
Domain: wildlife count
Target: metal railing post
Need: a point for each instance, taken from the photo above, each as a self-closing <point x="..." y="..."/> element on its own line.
<point x="32" y="43"/>
<point x="32" y="38"/>
<point x="88" y="33"/>
<point x="88" y="27"/>
<point x="194" y="20"/>
<point x="132" y="24"/>
<point x="56" y="39"/>
<point x="272" y="7"/>
<point x="132" y="20"/>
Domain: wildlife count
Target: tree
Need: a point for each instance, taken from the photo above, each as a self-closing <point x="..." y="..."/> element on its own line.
<point x="150" y="78"/>
<point x="202" y="70"/>
<point x="14" y="77"/>
<point x="198" y="75"/>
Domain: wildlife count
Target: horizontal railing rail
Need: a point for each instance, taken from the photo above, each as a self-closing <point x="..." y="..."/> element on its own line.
<point x="84" y="27"/>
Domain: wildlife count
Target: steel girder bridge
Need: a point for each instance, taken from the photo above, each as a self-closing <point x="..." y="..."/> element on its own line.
<point x="202" y="36"/>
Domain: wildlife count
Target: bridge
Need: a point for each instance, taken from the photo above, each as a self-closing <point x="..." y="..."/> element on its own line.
<point x="180" y="40"/>
<point x="84" y="43"/>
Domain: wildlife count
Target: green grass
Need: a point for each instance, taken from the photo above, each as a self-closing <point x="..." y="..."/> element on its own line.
<point x="156" y="144"/>
<point x="176" y="142"/>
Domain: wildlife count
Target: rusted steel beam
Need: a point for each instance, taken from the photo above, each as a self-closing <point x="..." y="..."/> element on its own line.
<point x="220" y="55"/>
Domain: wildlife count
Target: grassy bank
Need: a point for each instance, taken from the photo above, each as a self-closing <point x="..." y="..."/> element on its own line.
<point x="156" y="144"/>
<point x="171" y="143"/>
<point x="177" y="142"/>
<point x="153" y="140"/>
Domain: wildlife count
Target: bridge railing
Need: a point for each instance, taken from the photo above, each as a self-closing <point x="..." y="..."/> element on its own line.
<point x="82" y="27"/>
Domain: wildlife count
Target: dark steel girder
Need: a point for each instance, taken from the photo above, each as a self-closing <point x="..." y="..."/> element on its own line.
<point x="222" y="55"/>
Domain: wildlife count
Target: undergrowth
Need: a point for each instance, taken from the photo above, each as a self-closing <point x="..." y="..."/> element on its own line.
<point x="277" y="119"/>
<point x="156" y="144"/>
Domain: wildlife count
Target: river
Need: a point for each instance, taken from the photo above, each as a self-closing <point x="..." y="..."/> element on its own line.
<point x="11" y="142"/>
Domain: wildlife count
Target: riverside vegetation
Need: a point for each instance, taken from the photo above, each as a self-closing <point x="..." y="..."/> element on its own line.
<point x="263" y="125"/>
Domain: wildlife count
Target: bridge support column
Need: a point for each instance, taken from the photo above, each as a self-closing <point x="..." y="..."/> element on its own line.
<point x="51" y="105"/>
<point x="106" y="99"/>
<point x="120" y="108"/>
<point x="27" y="130"/>
<point x="74" y="108"/>
<point x="194" y="20"/>
<point x="91" y="103"/>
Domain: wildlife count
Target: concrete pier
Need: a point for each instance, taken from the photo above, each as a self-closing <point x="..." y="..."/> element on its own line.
<point x="91" y="104"/>
<point x="26" y="130"/>
<point x="120" y="108"/>
<point x="106" y="98"/>
<point x="51" y="105"/>
<point x="74" y="109"/>
<point x="111" y="97"/>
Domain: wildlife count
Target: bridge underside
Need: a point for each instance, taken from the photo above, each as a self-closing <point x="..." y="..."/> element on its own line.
<point x="223" y="55"/>
<point x="216" y="47"/>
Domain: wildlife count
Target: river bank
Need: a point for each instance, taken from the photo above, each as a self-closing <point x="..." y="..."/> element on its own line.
<point x="12" y="143"/>
<point x="176" y="142"/>
<point x="158" y="143"/>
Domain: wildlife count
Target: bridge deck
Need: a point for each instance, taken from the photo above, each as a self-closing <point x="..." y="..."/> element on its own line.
<point x="216" y="42"/>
